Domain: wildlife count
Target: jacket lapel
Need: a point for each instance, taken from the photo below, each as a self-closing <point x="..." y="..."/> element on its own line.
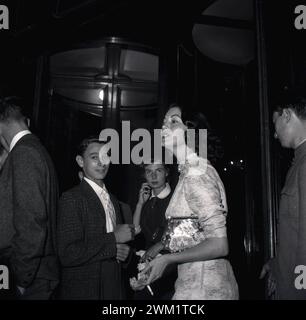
<point x="117" y="209"/>
<point x="93" y="200"/>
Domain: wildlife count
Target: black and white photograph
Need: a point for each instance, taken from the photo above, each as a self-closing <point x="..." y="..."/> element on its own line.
<point x="152" y="155"/>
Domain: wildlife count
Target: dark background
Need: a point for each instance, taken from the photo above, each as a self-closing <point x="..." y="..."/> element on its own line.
<point x="227" y="93"/>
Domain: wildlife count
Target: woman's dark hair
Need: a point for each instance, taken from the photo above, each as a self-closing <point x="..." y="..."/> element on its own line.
<point x="197" y="120"/>
<point x="145" y="164"/>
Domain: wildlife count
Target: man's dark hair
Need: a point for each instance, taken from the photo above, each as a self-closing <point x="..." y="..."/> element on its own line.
<point x="291" y="100"/>
<point x="85" y="143"/>
<point x="10" y="109"/>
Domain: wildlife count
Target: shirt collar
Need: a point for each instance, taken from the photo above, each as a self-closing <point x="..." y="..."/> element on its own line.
<point x="98" y="189"/>
<point x="164" y="193"/>
<point x="300" y="150"/>
<point x="17" y="137"/>
<point x="301" y="143"/>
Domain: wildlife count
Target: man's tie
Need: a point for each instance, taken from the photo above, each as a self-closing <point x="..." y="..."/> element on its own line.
<point x="109" y="211"/>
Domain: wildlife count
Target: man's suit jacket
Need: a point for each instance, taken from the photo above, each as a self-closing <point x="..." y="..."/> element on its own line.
<point x="87" y="253"/>
<point x="28" y="204"/>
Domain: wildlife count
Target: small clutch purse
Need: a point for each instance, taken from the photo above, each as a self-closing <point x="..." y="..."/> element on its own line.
<point x="182" y="233"/>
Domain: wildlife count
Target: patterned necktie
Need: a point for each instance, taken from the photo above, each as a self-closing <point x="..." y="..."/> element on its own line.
<point x="109" y="211"/>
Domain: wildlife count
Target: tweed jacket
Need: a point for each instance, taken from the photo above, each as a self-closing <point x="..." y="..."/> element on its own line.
<point x="89" y="269"/>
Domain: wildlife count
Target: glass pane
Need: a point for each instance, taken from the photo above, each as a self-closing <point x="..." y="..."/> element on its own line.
<point x="81" y="94"/>
<point x="131" y="97"/>
<point x="68" y="128"/>
<point x="139" y="65"/>
<point x="80" y="61"/>
<point x="67" y="5"/>
<point x="81" y="91"/>
<point x="141" y="119"/>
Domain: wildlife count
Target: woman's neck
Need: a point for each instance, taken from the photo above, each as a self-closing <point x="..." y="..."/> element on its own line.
<point x="182" y="152"/>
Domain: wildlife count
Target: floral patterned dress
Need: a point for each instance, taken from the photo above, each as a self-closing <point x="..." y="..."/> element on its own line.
<point x="199" y="197"/>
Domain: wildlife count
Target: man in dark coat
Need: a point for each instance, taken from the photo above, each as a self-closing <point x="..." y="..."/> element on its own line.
<point x="91" y="234"/>
<point x="29" y="195"/>
<point x="286" y="270"/>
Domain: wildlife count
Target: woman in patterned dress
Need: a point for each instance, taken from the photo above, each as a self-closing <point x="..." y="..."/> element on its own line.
<point x="196" y="217"/>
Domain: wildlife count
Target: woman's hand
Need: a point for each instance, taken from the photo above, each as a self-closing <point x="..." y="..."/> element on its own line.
<point x="156" y="267"/>
<point x="152" y="252"/>
<point x="144" y="193"/>
<point x="136" y="285"/>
